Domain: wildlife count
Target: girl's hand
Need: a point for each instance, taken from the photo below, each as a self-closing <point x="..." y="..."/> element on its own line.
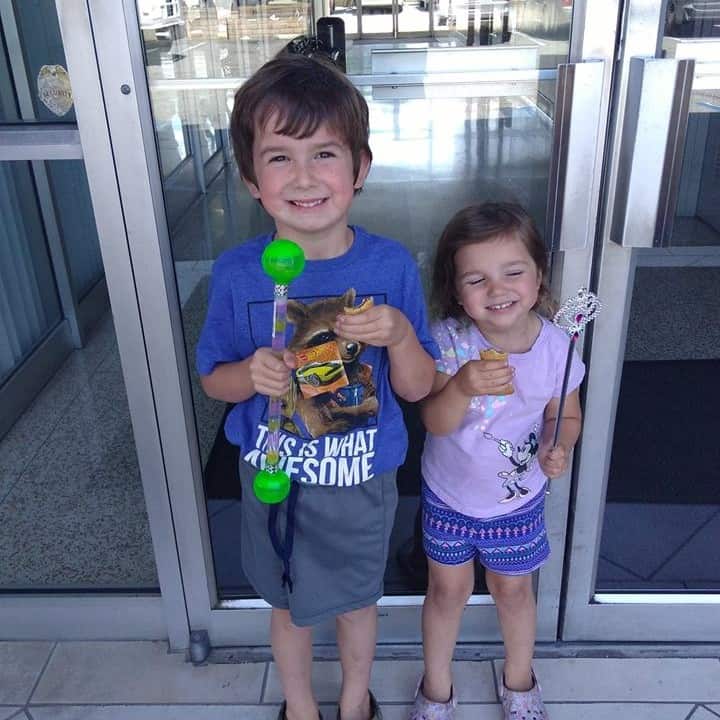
<point x="483" y="377"/>
<point x="270" y="373"/>
<point x="553" y="460"/>
<point x="380" y="325"/>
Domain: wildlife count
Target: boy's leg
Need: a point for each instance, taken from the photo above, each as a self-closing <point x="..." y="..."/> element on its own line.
<point x="292" y="651"/>
<point x="449" y="587"/>
<point x="356" y="635"/>
<point x="515" y="603"/>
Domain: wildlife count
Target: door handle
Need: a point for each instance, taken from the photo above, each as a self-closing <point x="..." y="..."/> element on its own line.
<point x="651" y="150"/>
<point x="578" y="98"/>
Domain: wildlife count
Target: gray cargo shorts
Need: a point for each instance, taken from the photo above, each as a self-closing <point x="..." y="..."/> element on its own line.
<point x="340" y="546"/>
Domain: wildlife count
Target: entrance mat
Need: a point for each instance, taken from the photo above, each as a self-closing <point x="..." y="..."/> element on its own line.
<point x="666" y="446"/>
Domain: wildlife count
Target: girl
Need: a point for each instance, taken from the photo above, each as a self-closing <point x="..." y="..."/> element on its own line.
<point x="488" y="451"/>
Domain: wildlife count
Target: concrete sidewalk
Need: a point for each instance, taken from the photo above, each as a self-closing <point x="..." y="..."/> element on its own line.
<point x="142" y="681"/>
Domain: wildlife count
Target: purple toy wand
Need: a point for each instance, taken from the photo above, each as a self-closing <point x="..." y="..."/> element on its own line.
<point x="283" y="261"/>
<point x="574" y="314"/>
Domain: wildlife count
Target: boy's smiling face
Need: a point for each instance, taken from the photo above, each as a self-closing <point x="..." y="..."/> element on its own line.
<point x="307" y="186"/>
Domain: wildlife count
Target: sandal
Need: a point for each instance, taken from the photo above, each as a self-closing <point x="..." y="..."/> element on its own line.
<point x="526" y="705"/>
<point x="283" y="716"/>
<point x="375" y="713"/>
<point x="424" y="709"/>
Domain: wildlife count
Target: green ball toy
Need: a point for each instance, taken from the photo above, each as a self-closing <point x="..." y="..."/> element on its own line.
<point x="271" y="487"/>
<point x="283" y="260"/>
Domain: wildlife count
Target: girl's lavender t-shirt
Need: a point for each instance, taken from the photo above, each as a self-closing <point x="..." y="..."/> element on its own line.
<point x="488" y="466"/>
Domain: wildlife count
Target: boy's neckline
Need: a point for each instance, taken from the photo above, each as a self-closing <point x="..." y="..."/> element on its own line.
<point x="338" y="261"/>
<point x="345" y="247"/>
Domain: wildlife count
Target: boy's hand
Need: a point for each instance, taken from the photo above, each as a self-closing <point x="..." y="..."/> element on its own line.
<point x="483" y="377"/>
<point x="380" y="325"/>
<point x="270" y="373"/>
<point x="553" y="460"/>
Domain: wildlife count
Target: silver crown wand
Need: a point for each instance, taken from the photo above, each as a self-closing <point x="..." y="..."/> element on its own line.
<point x="573" y="316"/>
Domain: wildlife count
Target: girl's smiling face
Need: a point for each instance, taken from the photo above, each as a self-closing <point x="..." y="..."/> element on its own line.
<point x="307" y="185"/>
<point x="497" y="284"/>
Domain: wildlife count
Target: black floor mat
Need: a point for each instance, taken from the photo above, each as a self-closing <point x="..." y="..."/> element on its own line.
<point x="666" y="446"/>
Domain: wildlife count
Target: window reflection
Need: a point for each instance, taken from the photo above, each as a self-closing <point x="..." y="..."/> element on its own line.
<point x="692" y="18"/>
<point x="435" y="150"/>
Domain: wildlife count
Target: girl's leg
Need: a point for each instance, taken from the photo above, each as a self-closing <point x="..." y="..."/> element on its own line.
<point x="515" y="603"/>
<point x="292" y="651"/>
<point x="356" y="634"/>
<point x="449" y="587"/>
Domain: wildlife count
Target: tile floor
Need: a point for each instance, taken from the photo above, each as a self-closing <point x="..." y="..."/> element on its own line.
<point x="142" y="681"/>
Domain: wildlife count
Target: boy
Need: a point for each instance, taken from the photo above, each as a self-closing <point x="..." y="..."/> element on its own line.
<point x="300" y="135"/>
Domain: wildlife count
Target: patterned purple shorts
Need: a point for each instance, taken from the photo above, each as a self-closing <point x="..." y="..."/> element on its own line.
<point x="513" y="544"/>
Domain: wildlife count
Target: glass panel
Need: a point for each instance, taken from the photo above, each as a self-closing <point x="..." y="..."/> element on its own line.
<point x="72" y="510"/>
<point x="662" y="480"/>
<point x="73" y="208"/>
<point x="34" y="60"/>
<point x="377" y="17"/>
<point x="697" y="215"/>
<point x="436" y="148"/>
<point x="662" y="470"/>
<point x="692" y="18"/>
<point x="29" y="303"/>
<point x="539" y="31"/>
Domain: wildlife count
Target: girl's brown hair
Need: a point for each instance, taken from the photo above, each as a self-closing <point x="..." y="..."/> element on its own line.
<point x="300" y="93"/>
<point x="484" y="223"/>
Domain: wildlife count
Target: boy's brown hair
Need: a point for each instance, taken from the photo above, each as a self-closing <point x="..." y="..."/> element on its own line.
<point x="485" y="222"/>
<point x="301" y="93"/>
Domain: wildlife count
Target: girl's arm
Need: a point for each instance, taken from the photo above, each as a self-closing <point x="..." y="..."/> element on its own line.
<point x="449" y="400"/>
<point x="444" y="408"/>
<point x="554" y="461"/>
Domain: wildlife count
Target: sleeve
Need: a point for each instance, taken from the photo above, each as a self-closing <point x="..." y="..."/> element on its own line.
<point x="416" y="312"/>
<point x="447" y="360"/>
<point x="217" y="339"/>
<point x="577" y="368"/>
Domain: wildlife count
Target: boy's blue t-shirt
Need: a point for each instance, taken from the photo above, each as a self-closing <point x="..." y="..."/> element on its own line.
<point x="339" y="438"/>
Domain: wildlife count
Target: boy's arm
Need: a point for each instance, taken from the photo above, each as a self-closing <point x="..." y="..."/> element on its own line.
<point x="229" y="382"/>
<point x="412" y="369"/>
<point x="263" y="372"/>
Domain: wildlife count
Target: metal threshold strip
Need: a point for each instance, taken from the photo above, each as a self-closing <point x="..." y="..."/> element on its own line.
<point x="661" y="598"/>
<point x="387" y="601"/>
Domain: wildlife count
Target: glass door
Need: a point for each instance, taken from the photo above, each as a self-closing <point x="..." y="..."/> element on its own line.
<point x="450" y="124"/>
<point x="643" y="561"/>
<point x="83" y="520"/>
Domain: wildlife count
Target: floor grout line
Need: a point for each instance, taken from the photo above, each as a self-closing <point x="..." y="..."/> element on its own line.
<point x="677" y="550"/>
<point x="40" y="674"/>
<point x="619" y="566"/>
<point x="263" y="684"/>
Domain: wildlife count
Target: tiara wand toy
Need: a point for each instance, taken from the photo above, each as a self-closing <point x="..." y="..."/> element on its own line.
<point x="573" y="316"/>
<point x="283" y="260"/>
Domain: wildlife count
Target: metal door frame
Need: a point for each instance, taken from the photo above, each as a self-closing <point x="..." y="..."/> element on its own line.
<point x="649" y="111"/>
<point x="128" y="615"/>
<point x="115" y="29"/>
